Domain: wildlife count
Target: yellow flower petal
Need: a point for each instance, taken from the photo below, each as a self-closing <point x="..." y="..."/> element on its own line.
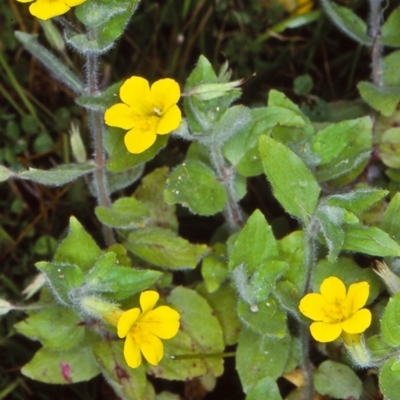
<point x="313" y="306"/>
<point x="162" y="322"/>
<point x="137" y="141"/>
<point x="25" y="1"/>
<point x="126" y="321"/>
<point x="73" y="3"/>
<point x="135" y="92"/>
<point x="358" y="322"/>
<point x="324" y="333"/>
<point x="333" y="290"/>
<point x="132" y="352"/>
<point x="151" y="347"/>
<point x="169" y="121"/>
<point x="121" y="116"/>
<point x="357" y="296"/>
<point x="165" y="93"/>
<point x="148" y="300"/>
<point x="46" y="9"/>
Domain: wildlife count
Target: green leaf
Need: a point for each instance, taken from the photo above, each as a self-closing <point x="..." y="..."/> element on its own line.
<point x="254" y="245"/>
<point x="57" y="68"/>
<point x="125" y="213"/>
<point x="265" y="386"/>
<point x="224" y="303"/>
<point x="346" y="20"/>
<point x="258" y="357"/>
<point x="40" y="326"/>
<point x="214" y="268"/>
<point x="119" y="157"/>
<point x="102" y="101"/>
<point x="231" y="122"/>
<point x="389" y="380"/>
<point x="57" y="176"/>
<point x="389" y="147"/>
<point x="382" y="99"/>
<point x="120" y="180"/>
<point x="390" y="322"/>
<point x="195" y="186"/>
<point x="63" y="279"/>
<point x="390" y="35"/>
<point x="151" y="193"/>
<point x="78" y="247"/>
<point x="378" y="348"/>
<point x="172" y="367"/>
<point x="391" y="218"/>
<point x="293" y="184"/>
<point x="198" y="319"/>
<point x="117" y="282"/>
<point x="106" y="20"/>
<point x="391" y="62"/>
<point x="167" y="396"/>
<point x="327" y="376"/>
<point x="265" y="318"/>
<point x="343" y="149"/>
<point x="163" y="248"/>
<point x="200" y="334"/>
<point x="128" y="383"/>
<point x="370" y="240"/>
<point x="203" y="72"/>
<point x="64" y="367"/>
<point x="303" y="85"/>
<point x="357" y="201"/>
<point x="288" y="290"/>
<point x="330" y="219"/>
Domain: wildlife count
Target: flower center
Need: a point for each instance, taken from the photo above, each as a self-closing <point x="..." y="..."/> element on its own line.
<point x="157" y="111"/>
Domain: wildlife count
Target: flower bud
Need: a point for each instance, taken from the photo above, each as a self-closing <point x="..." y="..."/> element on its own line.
<point x="390" y="279"/>
<point x="77" y="146"/>
<point x="209" y="91"/>
<point x="98" y="308"/>
<point x="53" y="35"/>
<point x="357" y="350"/>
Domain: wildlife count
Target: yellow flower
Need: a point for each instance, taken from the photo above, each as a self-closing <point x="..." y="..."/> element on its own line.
<point x="143" y="330"/>
<point x="146" y="112"/>
<point x="335" y="311"/>
<point x="45" y="9"/>
<point x="297" y="7"/>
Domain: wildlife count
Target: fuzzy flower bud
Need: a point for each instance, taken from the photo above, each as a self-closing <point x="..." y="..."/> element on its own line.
<point x="209" y="91"/>
<point x="390" y="279"/>
<point x="97" y="308"/>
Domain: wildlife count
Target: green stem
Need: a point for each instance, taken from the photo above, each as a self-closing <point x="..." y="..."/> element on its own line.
<point x="202" y="356"/>
<point x="309" y="263"/>
<point x="226" y="175"/>
<point x="97" y="130"/>
<point x="377" y="48"/>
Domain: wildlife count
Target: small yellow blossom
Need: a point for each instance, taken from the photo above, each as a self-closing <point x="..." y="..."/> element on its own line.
<point x="143" y="330"/>
<point x="297" y="7"/>
<point x="145" y="111"/>
<point x="46" y="9"/>
<point x="336" y="312"/>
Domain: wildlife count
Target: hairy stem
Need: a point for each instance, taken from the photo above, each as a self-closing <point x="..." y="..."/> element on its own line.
<point x="309" y="263"/>
<point x="377" y="48"/>
<point x="226" y="175"/>
<point x="97" y="130"/>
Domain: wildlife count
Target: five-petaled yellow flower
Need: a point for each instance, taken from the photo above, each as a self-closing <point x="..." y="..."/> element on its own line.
<point x="335" y="311"/>
<point x="145" y="111"/>
<point x="45" y="9"/>
<point x="143" y="330"/>
<point x="297" y="7"/>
